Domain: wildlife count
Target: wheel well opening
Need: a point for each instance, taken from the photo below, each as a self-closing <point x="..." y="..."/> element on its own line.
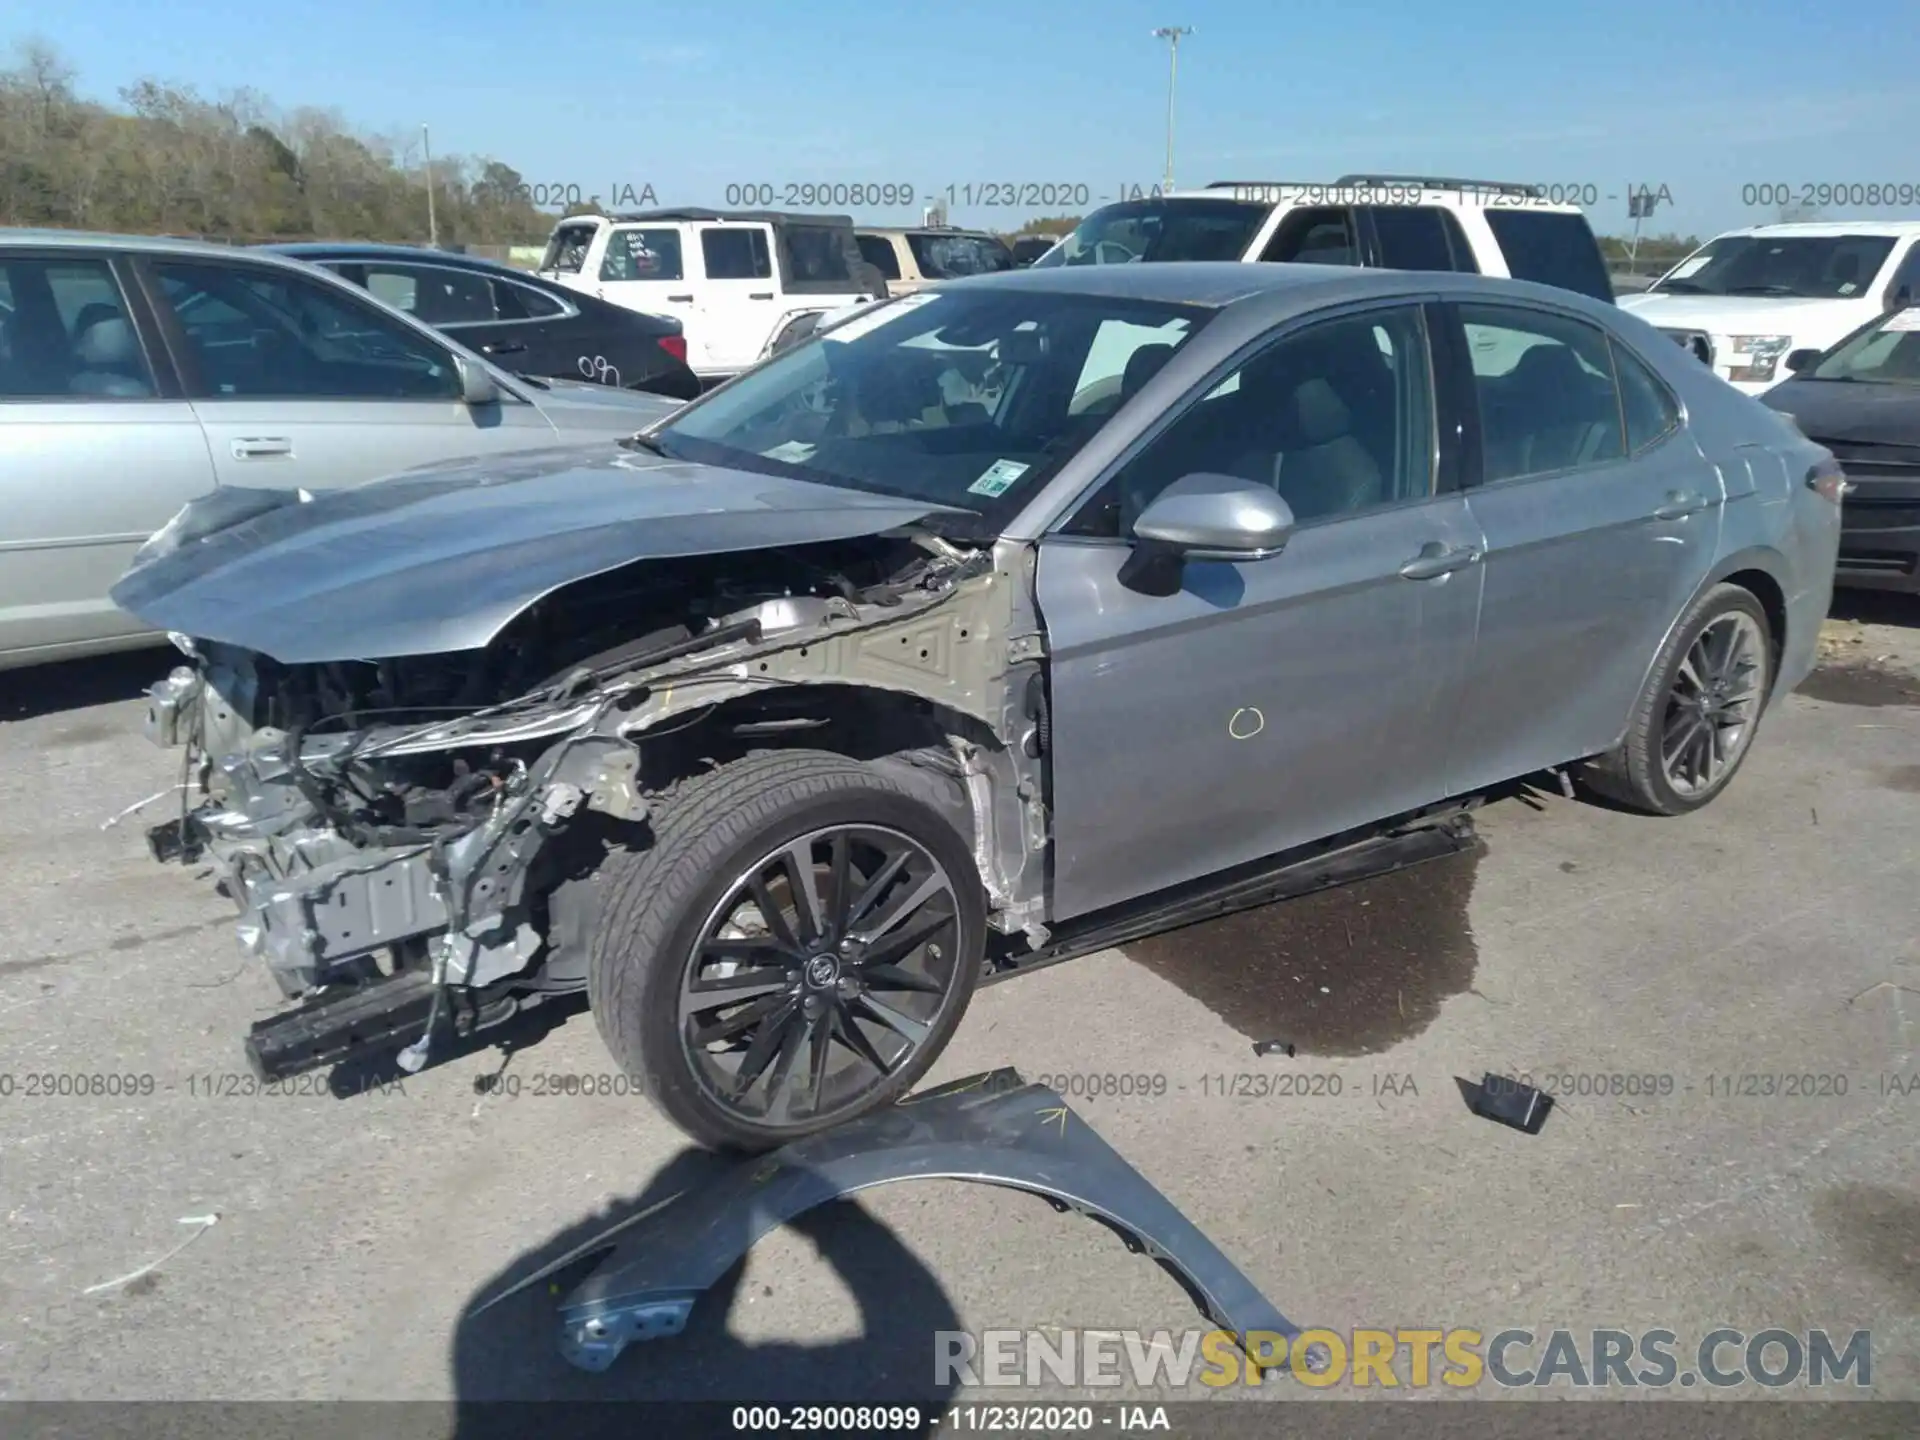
<point x="1773" y="600"/>
<point x="858" y="721"/>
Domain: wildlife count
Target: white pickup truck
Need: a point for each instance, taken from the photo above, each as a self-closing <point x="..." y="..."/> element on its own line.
<point x="734" y="279"/>
<point x="1747" y="300"/>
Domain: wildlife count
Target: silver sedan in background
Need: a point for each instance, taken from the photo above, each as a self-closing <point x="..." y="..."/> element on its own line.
<point x="139" y="373"/>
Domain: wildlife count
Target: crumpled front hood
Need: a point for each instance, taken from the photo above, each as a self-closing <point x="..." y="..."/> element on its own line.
<point x="442" y="558"/>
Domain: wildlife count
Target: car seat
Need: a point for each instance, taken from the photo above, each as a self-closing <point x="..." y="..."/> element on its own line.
<point x="1564" y="415"/>
<point x="108" y="355"/>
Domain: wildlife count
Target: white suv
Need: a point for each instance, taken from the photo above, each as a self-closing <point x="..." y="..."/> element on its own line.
<point x="734" y="279"/>
<point x="1747" y="300"/>
<point x="1399" y="222"/>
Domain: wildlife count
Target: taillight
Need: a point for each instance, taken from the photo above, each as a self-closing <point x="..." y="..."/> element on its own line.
<point x="1829" y="481"/>
<point x="676" y="346"/>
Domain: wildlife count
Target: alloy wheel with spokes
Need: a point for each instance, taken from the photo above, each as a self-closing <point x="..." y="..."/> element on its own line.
<point x="1713" y="703"/>
<point x="821" y="972"/>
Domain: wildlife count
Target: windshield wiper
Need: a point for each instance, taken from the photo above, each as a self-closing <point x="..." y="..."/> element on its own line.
<point x="1678" y="287"/>
<point x="1764" y="290"/>
<point x="535" y="380"/>
<point x="643" y="441"/>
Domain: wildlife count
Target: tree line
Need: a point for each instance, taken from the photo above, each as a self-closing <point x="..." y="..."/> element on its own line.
<point x="171" y="161"/>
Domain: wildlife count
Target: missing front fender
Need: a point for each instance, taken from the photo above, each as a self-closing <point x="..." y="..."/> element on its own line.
<point x="994" y="1128"/>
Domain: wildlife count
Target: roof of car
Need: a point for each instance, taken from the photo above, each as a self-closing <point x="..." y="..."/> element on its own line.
<point x="376" y="250"/>
<point x="1200" y="282"/>
<point x="102" y="240"/>
<point x="771" y="217"/>
<point x="1355" y="190"/>
<point x="1215" y="284"/>
<point x="923" y="230"/>
<point x="1824" y="228"/>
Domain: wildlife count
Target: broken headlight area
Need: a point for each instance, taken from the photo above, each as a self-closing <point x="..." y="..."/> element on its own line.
<point x="392" y="831"/>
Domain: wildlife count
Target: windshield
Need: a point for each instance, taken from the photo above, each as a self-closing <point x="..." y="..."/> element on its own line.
<point x="970" y="398"/>
<point x="949" y="257"/>
<point x="1887" y="352"/>
<point x="1161" y="230"/>
<point x="1811" y="267"/>
<point x="567" y="250"/>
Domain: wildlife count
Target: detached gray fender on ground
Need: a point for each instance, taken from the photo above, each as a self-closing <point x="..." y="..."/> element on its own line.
<point x="994" y="1128"/>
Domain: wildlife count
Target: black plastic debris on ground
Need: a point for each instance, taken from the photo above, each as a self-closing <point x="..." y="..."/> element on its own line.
<point x="1503" y="1099"/>
<point x="1272" y="1047"/>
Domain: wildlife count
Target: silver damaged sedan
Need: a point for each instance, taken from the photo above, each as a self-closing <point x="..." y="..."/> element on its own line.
<point x="1011" y="619"/>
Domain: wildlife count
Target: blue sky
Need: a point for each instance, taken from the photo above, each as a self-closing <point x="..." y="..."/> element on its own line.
<point x="1702" y="98"/>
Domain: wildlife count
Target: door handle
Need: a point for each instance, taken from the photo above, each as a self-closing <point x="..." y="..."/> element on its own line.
<point x="761" y="295"/>
<point x="503" y="349"/>
<point x="681" y="299"/>
<point x="1435" y="560"/>
<point x="256" y="449"/>
<point x="1679" y="503"/>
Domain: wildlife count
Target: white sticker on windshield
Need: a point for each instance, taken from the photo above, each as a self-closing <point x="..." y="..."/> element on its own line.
<point x="1905" y="321"/>
<point x="998" y="478"/>
<point x="1689" y="267"/>
<point x="860" y="324"/>
<point x="791" y="450"/>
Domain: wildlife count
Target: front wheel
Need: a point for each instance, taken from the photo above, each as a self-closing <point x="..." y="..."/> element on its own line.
<point x="795" y="949"/>
<point x="1695" y="720"/>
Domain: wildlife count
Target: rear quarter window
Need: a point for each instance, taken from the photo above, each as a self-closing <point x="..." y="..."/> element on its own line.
<point x="1551" y="247"/>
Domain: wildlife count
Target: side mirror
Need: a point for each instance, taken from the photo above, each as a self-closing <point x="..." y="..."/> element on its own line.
<point x="1802" y="360"/>
<point x="1204" y="517"/>
<point x="477" y="386"/>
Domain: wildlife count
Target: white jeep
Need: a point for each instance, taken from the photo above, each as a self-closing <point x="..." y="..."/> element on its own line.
<point x="1747" y="300"/>
<point x="734" y="279"/>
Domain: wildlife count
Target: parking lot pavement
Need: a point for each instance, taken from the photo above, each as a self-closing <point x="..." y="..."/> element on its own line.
<point x="1772" y="935"/>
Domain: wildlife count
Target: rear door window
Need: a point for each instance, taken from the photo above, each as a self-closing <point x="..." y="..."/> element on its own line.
<point x="435" y="294"/>
<point x="65" y="331"/>
<point x="1545" y="383"/>
<point x="1315" y="235"/>
<point x="1417" y="237"/>
<point x="1551" y="247"/>
<point x="735" y="252"/>
<point x="514" y="301"/>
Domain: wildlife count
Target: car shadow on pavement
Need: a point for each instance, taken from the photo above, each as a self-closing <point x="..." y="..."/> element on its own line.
<point x="37" y="690"/>
<point x="507" y="1349"/>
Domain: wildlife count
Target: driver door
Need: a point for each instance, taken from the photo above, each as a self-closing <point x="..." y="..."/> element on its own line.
<point x="1279" y="701"/>
<point x="297" y="383"/>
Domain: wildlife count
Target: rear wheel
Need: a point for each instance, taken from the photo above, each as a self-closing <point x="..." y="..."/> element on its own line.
<point x="1696" y="718"/>
<point x="795" y="949"/>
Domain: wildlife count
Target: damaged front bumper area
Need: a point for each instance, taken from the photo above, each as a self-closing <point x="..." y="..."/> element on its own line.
<point x="369" y="912"/>
<point x="398" y="840"/>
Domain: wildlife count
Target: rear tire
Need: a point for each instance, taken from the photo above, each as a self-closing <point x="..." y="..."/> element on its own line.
<point x="1695" y="720"/>
<point x="839" y="999"/>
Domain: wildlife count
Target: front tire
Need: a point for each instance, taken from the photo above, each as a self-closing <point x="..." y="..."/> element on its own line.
<point x="794" y="950"/>
<point x="1695" y="720"/>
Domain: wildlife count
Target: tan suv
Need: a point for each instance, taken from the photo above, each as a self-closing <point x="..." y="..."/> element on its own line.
<point x="916" y="256"/>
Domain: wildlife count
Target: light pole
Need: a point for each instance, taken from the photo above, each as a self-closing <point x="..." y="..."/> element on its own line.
<point x="433" y="228"/>
<point x="1171" y="34"/>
